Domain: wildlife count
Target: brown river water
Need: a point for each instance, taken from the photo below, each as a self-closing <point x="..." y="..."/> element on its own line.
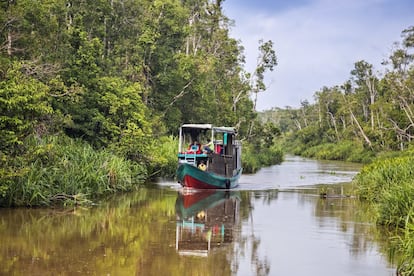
<point x="274" y="223"/>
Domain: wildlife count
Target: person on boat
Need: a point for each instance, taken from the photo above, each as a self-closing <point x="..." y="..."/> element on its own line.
<point x="202" y="166"/>
<point x="194" y="147"/>
<point x="207" y="148"/>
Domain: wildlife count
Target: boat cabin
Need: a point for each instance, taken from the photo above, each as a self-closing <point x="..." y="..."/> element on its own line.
<point x="221" y="156"/>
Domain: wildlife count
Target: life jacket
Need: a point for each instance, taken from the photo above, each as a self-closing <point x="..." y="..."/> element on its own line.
<point x="202" y="166"/>
<point x="194" y="149"/>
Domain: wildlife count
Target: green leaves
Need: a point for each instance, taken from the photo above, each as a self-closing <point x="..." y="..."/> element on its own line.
<point x="23" y="103"/>
<point x="115" y="74"/>
<point x="109" y="110"/>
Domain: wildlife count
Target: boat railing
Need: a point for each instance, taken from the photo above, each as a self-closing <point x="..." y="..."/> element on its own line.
<point x="190" y="158"/>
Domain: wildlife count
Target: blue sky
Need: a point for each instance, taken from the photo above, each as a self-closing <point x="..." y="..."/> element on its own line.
<point x="317" y="42"/>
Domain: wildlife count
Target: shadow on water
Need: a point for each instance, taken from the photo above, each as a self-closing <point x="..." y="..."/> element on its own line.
<point x="254" y="230"/>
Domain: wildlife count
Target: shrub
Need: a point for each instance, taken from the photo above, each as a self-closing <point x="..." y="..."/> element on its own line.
<point x="255" y="158"/>
<point x="62" y="169"/>
<point x="163" y="157"/>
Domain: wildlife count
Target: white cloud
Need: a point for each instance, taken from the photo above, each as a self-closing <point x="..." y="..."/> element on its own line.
<point x="317" y="43"/>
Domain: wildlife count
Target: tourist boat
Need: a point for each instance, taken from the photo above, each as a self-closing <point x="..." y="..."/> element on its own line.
<point x="215" y="167"/>
<point x="206" y="220"/>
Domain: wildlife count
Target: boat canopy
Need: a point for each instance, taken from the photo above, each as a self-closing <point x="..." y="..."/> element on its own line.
<point x="201" y="126"/>
<point x="225" y="129"/>
<point x="194" y="131"/>
<point x="209" y="126"/>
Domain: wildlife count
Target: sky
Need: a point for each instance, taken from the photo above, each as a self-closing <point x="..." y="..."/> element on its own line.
<point x="317" y="42"/>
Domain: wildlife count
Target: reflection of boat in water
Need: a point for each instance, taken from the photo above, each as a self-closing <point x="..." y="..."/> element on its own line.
<point x="205" y="220"/>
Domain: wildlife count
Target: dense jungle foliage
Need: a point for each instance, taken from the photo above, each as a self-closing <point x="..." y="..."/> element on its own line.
<point x="92" y="92"/>
<point x="369" y="117"/>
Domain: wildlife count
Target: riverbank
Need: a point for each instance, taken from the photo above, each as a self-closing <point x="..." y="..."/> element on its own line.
<point x="388" y="184"/>
<point x="58" y="170"/>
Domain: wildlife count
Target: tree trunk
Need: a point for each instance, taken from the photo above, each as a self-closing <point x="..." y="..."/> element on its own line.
<point x="334" y="124"/>
<point x="372" y="95"/>
<point x="305" y="121"/>
<point x="357" y="123"/>
<point x="9" y="43"/>
<point x="360" y="129"/>
<point x="297" y="123"/>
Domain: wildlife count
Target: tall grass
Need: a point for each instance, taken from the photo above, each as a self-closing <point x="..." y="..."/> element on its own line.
<point x="388" y="183"/>
<point x="406" y="243"/>
<point x="62" y="169"/>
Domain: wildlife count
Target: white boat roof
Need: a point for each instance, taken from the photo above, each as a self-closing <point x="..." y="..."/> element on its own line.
<point x="202" y="126"/>
<point x="210" y="126"/>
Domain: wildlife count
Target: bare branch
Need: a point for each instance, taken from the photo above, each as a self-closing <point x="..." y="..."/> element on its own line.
<point x="402" y="132"/>
<point x="178" y="96"/>
<point x="39" y="70"/>
<point x="182" y="93"/>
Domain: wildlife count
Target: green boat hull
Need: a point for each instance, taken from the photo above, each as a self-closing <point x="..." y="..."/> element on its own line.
<point x="192" y="177"/>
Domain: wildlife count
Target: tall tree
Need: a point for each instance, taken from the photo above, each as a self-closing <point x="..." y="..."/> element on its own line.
<point x="367" y="87"/>
<point x="266" y="61"/>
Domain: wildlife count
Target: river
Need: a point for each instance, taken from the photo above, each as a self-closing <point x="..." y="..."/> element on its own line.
<point x="274" y="223"/>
